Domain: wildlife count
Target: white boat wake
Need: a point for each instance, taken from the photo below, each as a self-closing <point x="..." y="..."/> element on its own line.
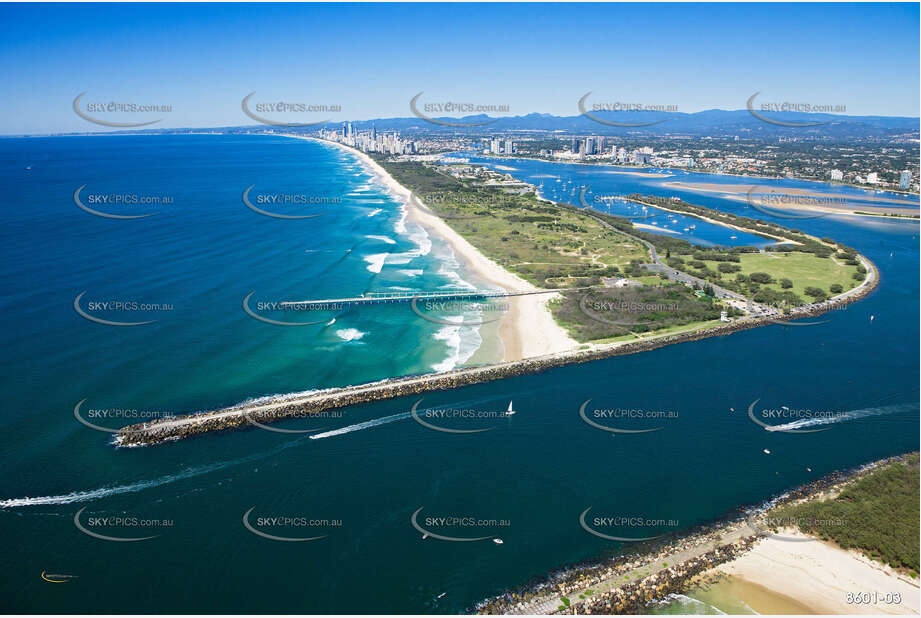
<point x="359" y="426"/>
<point x="130" y="488"/>
<point x="844" y="416"/>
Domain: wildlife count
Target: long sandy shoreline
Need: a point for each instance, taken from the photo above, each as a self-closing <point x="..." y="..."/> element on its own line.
<point x="528" y="328"/>
<point x="531" y="313"/>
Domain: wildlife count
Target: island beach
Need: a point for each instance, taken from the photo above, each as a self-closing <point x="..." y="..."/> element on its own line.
<point x="528" y="328"/>
<point x="819" y="576"/>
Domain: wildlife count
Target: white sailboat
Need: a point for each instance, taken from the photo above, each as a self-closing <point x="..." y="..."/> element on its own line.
<point x="510" y="411"/>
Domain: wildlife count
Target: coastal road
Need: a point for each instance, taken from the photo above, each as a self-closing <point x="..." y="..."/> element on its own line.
<point x="658" y="266"/>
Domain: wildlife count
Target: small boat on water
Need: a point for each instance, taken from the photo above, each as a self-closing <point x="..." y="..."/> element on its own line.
<point x="498" y="541"/>
<point x="510" y="411"/>
<point x="767" y="452"/>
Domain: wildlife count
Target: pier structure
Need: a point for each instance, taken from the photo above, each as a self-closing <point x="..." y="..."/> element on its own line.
<point x="406" y="296"/>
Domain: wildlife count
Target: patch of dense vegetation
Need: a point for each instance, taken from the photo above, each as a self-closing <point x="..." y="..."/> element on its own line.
<point x="603" y="313"/>
<point x="877" y="514"/>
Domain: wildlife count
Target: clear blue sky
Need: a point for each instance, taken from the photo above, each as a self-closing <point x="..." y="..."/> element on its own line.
<point x="371" y="59"/>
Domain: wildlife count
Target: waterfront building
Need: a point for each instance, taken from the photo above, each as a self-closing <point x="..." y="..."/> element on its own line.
<point x="836" y="175"/>
<point x="905" y="179"/>
<point x="872" y="178"/>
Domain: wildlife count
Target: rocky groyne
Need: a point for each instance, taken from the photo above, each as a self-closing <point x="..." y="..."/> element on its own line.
<point x="629" y="582"/>
<point x="244" y="415"/>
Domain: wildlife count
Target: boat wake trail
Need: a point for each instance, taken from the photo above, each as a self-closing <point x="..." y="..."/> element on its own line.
<point x="359" y="426"/>
<point x="845" y="416"/>
<point x="130" y="488"/>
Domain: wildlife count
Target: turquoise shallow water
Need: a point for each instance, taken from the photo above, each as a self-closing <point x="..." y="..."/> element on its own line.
<point x="526" y="480"/>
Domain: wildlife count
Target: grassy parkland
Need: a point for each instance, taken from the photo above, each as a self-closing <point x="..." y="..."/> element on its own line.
<point x="562" y="246"/>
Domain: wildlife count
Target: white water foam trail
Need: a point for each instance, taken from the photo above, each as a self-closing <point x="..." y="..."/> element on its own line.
<point x="359" y="426"/>
<point x="846" y="416"/>
<point x="690" y="605"/>
<point x="130" y="488"/>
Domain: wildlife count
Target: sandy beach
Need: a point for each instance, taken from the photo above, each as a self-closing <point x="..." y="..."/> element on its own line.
<point x="804" y="200"/>
<point x="528" y="328"/>
<point x="654" y="228"/>
<point x="820" y="576"/>
<point x="641" y="174"/>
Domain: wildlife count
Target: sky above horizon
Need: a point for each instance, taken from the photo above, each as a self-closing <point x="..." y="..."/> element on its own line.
<point x="371" y="59"/>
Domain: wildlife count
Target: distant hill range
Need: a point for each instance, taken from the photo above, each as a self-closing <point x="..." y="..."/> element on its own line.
<point x="714" y="123"/>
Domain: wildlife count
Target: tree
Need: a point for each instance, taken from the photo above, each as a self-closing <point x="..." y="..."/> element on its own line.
<point x="836" y="288"/>
<point x="817" y="293"/>
<point x="761" y="278"/>
<point x="786" y="284"/>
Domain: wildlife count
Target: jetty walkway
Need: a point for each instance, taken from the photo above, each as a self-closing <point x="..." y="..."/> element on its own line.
<point x="380" y="298"/>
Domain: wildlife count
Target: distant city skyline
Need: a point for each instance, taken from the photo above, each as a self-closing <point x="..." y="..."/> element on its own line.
<point x="371" y="60"/>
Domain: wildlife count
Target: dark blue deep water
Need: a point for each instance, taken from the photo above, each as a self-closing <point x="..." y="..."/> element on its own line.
<point x="526" y="480"/>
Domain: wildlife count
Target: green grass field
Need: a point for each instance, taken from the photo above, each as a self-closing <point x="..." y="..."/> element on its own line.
<point x="803" y="269"/>
<point x="562" y="247"/>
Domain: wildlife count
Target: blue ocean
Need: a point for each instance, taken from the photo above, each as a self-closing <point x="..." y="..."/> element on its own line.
<point x="357" y="487"/>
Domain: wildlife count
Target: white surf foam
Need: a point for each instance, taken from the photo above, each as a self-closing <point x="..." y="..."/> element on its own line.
<point x="385" y="239"/>
<point x="376" y="262"/>
<point x="462" y="342"/>
<point x="350" y="334"/>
